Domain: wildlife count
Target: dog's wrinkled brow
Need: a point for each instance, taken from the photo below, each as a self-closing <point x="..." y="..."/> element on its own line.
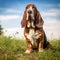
<point x="29" y="8"/>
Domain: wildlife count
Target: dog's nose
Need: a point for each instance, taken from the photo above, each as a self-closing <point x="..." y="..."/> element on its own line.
<point x="30" y="12"/>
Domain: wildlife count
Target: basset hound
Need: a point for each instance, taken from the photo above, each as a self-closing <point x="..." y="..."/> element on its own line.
<point x="32" y="23"/>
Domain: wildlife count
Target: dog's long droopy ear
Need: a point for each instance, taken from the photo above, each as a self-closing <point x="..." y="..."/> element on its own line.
<point x="24" y="21"/>
<point x="39" y="20"/>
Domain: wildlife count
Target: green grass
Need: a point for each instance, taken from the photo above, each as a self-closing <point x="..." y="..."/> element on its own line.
<point x="13" y="49"/>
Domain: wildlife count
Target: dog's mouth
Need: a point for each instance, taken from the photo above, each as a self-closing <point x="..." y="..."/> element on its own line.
<point x="30" y="18"/>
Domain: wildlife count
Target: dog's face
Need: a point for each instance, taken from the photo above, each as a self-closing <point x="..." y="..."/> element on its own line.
<point x="31" y="15"/>
<point x="30" y="10"/>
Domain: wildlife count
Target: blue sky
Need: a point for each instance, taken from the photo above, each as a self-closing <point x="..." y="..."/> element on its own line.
<point x="11" y="13"/>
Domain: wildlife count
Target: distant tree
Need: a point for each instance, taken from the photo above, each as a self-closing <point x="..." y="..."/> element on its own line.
<point x="1" y="32"/>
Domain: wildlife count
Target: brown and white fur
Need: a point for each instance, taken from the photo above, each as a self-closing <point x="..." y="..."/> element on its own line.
<point x="32" y="23"/>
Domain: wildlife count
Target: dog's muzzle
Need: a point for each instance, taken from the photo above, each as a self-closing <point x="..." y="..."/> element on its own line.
<point x="29" y="12"/>
<point x="30" y="17"/>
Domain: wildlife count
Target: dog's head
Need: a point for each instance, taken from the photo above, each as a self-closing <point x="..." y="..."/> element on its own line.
<point x="31" y="14"/>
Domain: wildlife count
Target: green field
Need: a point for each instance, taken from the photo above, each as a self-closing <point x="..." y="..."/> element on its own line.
<point x="13" y="49"/>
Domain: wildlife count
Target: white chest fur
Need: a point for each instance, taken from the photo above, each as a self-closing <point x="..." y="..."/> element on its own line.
<point x="33" y="36"/>
<point x="30" y="34"/>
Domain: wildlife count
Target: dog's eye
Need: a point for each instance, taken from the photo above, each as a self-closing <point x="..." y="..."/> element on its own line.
<point x="33" y="7"/>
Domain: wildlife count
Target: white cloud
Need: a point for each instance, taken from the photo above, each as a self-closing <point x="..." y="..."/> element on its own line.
<point x="9" y="17"/>
<point x="12" y="11"/>
<point x="51" y="25"/>
<point x="52" y="5"/>
<point x="10" y="14"/>
<point x="51" y="12"/>
<point x="51" y="28"/>
<point x="14" y="32"/>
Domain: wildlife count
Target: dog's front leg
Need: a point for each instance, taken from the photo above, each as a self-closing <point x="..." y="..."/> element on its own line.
<point x="41" y="44"/>
<point x="29" y="45"/>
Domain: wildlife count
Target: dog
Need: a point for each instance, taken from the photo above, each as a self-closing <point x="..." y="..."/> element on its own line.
<point x="32" y="23"/>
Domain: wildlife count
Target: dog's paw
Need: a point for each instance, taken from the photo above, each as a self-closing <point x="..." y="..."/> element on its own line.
<point x="28" y="51"/>
<point x="40" y="50"/>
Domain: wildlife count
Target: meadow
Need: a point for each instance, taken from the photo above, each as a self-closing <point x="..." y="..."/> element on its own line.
<point x="13" y="49"/>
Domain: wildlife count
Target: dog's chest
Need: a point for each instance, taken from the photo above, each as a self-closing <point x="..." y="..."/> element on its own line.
<point x="31" y="32"/>
<point x="33" y="36"/>
<point x="30" y="36"/>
